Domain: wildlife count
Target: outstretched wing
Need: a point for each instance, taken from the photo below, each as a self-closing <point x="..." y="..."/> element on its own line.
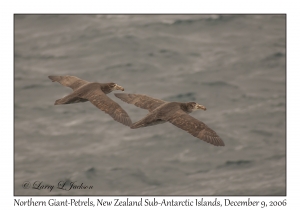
<point x="69" y="81"/>
<point x="103" y="102"/>
<point x="195" y="127"/>
<point x="142" y="101"/>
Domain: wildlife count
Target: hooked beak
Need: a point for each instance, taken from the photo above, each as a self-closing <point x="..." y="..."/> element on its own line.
<point x="118" y="87"/>
<point x="199" y="106"/>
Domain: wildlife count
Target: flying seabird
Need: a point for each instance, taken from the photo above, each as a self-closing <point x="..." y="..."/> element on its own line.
<point x="174" y="112"/>
<point x="95" y="93"/>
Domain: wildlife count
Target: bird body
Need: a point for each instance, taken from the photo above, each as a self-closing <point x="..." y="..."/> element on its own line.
<point x="95" y="93"/>
<point x="158" y="116"/>
<point x="176" y="113"/>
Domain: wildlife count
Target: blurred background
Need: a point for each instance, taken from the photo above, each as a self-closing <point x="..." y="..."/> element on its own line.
<point x="235" y="65"/>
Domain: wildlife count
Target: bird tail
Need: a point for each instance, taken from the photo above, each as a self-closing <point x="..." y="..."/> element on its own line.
<point x="146" y="121"/>
<point x="138" y="124"/>
<point x="59" y="101"/>
<point x="54" y="78"/>
<point x="69" y="99"/>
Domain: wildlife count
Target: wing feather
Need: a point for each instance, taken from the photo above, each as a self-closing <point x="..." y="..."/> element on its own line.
<point x="195" y="127"/>
<point x="104" y="103"/>
<point x="69" y="81"/>
<point x="142" y="101"/>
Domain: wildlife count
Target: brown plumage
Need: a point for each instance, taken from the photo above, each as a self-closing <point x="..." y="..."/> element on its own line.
<point x="174" y="112"/>
<point x="95" y="93"/>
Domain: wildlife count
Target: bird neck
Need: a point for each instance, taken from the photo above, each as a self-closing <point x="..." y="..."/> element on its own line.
<point x="106" y="89"/>
<point x="185" y="107"/>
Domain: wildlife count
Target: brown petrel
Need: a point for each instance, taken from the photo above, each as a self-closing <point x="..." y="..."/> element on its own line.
<point x="95" y="93"/>
<point x="174" y="112"/>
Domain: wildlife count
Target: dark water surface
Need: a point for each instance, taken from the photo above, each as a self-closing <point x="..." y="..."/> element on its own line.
<point x="232" y="64"/>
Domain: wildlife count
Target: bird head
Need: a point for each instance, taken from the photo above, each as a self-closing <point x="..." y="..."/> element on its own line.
<point x="115" y="86"/>
<point x="193" y="106"/>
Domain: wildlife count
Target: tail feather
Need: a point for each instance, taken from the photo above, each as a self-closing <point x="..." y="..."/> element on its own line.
<point x="54" y="78"/>
<point x="58" y="102"/>
<point x="147" y="121"/>
<point x="138" y="124"/>
<point x="68" y="100"/>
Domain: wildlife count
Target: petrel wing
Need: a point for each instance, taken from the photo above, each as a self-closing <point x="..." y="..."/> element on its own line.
<point x="69" y="81"/>
<point x="195" y="127"/>
<point x="142" y="101"/>
<point x="104" y="103"/>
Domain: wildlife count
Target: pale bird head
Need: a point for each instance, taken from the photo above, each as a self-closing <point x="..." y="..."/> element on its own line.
<point x="115" y="86"/>
<point x="193" y="106"/>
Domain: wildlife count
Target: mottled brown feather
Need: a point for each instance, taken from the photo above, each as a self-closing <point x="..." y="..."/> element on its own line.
<point x="69" y="81"/>
<point x="104" y="103"/>
<point x="195" y="127"/>
<point x="142" y="101"/>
